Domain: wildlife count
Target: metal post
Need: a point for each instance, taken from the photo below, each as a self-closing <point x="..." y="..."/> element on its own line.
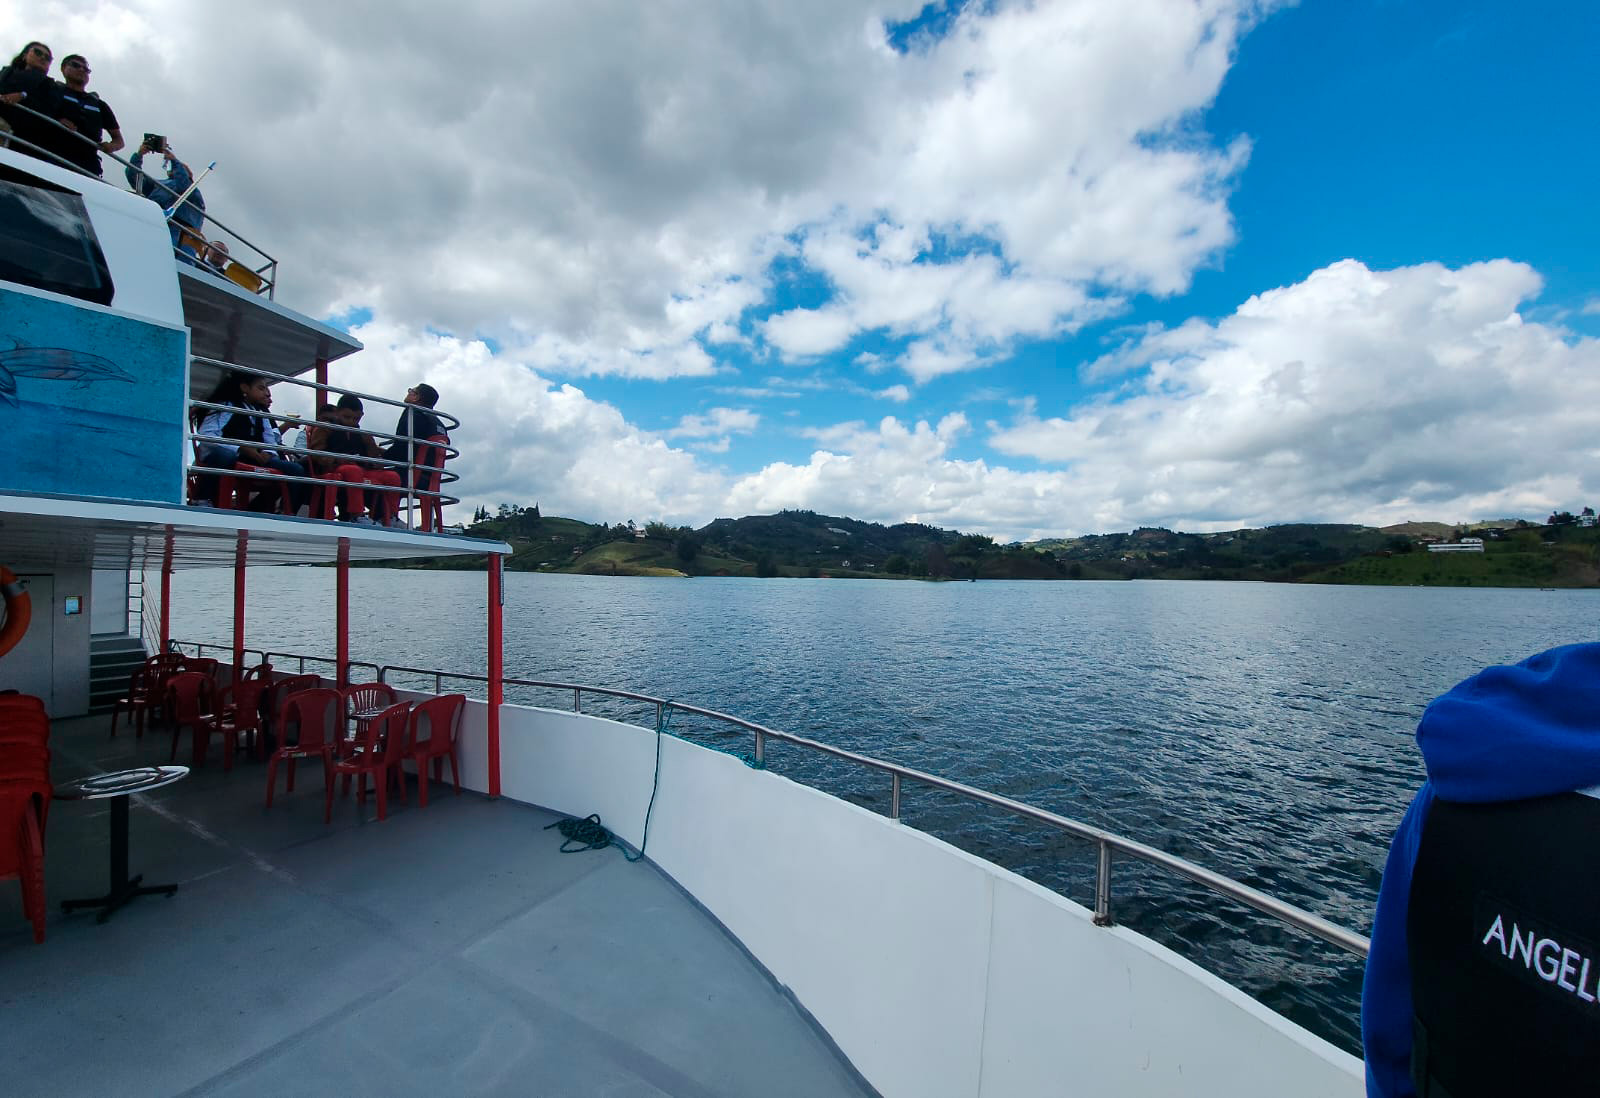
<point x="761" y="749"/>
<point x="240" y="555"/>
<point x="1102" y="887"/>
<point x="166" y="593"/>
<point x="894" y="796"/>
<point x="496" y="670"/>
<point x="341" y="628"/>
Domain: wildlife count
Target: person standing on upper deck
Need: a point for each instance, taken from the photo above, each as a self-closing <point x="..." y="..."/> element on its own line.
<point x="190" y="215"/>
<point x="26" y="82"/>
<point x="85" y="114"/>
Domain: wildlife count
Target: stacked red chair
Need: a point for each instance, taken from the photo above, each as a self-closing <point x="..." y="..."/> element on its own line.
<point x="379" y="754"/>
<point x="443" y="718"/>
<point x="316" y="715"/>
<point x="25" y="792"/>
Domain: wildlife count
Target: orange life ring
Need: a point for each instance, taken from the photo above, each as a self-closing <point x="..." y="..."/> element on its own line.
<point x="19" y="610"/>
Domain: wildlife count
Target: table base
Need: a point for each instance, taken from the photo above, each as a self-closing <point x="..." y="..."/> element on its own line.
<point x="119" y="896"/>
<point x="123" y="888"/>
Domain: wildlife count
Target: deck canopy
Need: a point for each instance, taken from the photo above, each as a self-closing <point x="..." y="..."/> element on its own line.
<point x="229" y="323"/>
<point x="46" y="533"/>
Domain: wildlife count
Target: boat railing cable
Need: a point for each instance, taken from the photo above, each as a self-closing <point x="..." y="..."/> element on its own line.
<point x="266" y="272"/>
<point x="1106" y="843"/>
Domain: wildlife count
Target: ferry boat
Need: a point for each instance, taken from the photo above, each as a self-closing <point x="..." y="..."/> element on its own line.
<point x="773" y="939"/>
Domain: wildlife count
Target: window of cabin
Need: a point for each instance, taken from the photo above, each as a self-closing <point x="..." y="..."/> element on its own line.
<point x="46" y="240"/>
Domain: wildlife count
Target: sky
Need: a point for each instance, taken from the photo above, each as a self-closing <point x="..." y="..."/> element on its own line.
<point x="1024" y="269"/>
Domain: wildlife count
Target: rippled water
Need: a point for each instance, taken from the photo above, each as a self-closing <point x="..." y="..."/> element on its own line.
<point x="1262" y="730"/>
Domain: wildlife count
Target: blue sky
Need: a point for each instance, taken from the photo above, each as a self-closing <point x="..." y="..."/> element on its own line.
<point x="1028" y="269"/>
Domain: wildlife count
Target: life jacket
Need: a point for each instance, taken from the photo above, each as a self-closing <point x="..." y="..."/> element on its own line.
<point x="1503" y="934"/>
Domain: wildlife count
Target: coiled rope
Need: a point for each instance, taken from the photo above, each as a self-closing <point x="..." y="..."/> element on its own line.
<point x="588" y="833"/>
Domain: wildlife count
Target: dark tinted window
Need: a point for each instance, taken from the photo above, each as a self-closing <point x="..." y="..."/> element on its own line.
<point x="46" y="240"/>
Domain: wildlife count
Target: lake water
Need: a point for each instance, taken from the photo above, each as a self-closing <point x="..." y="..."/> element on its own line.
<point x="1262" y="730"/>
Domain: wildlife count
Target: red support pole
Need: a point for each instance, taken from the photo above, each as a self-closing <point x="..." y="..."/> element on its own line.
<point x="342" y="600"/>
<point x="239" y="557"/>
<point x="322" y="379"/>
<point x="496" y="671"/>
<point x="166" y="594"/>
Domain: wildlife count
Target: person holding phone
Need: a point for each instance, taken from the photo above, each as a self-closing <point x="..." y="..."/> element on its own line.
<point x="191" y="214"/>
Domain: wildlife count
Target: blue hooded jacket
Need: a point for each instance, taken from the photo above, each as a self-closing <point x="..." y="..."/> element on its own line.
<point x="1505" y="734"/>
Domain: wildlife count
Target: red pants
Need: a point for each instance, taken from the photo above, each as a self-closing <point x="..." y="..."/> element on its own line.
<point x="384" y="504"/>
<point x="355" y="479"/>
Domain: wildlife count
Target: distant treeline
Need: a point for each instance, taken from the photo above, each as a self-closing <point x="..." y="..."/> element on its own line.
<point x="807" y="544"/>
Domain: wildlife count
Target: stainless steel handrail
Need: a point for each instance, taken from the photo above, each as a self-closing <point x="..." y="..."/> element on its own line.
<point x="407" y="490"/>
<point x="267" y="272"/>
<point x="1106" y="842"/>
<point x="266" y="657"/>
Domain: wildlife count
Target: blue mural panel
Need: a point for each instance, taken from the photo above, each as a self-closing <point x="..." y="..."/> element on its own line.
<point x="91" y="403"/>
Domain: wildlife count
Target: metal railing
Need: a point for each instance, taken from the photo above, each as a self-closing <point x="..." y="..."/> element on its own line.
<point x="410" y="496"/>
<point x="272" y="658"/>
<point x="1106" y="843"/>
<point x="267" y="272"/>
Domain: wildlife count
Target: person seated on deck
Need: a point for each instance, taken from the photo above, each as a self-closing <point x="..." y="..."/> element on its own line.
<point x="85" y="114"/>
<point x="190" y="215"/>
<point x="25" y="82"/>
<point x="417" y="422"/>
<point x="1485" y="959"/>
<point x="357" y="447"/>
<point x="255" y="440"/>
<point x="328" y="433"/>
<point x="215" y="258"/>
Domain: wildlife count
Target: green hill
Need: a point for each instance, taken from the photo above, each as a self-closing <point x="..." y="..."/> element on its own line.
<point x="808" y="544"/>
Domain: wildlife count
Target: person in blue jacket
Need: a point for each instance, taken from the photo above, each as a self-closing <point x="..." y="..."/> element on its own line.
<point x="165" y="192"/>
<point x="1484" y="971"/>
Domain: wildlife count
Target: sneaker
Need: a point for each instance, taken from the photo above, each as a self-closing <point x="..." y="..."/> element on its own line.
<point x="363" y="520"/>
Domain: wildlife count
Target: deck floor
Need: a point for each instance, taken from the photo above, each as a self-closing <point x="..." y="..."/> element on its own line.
<point x="446" y="950"/>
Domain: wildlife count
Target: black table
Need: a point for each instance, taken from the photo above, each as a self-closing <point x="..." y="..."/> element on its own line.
<point x="118" y="787"/>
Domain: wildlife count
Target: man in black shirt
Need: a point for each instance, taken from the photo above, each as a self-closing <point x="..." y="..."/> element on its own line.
<point x="84" y="112"/>
<point x="416" y="422"/>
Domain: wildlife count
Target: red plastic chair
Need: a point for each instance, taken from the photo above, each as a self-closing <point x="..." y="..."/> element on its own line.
<point x="278" y="695"/>
<point x="379" y="755"/>
<point x="238" y="713"/>
<point x="347" y="478"/>
<point x="443" y="715"/>
<point x="191" y="704"/>
<point x="317" y="714"/>
<point x="143" y="695"/>
<point x="25" y="793"/>
<point x="362" y="697"/>
<point x="22" y="844"/>
<point x="427" y="477"/>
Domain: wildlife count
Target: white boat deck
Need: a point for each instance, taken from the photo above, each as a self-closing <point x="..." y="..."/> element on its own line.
<point x="446" y="950"/>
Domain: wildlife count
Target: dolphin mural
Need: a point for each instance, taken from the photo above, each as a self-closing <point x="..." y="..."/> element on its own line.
<point x="55" y="364"/>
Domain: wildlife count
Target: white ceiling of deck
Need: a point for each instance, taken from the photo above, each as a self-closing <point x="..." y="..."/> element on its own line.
<point x="44" y="533"/>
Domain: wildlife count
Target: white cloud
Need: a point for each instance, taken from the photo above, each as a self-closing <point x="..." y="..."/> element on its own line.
<point x="602" y="187"/>
<point x="897" y="393"/>
<point x="1355" y="395"/>
<point x="718" y="421"/>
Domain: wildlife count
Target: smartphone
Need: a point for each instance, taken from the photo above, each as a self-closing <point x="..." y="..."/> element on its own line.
<point x="155" y="142"/>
